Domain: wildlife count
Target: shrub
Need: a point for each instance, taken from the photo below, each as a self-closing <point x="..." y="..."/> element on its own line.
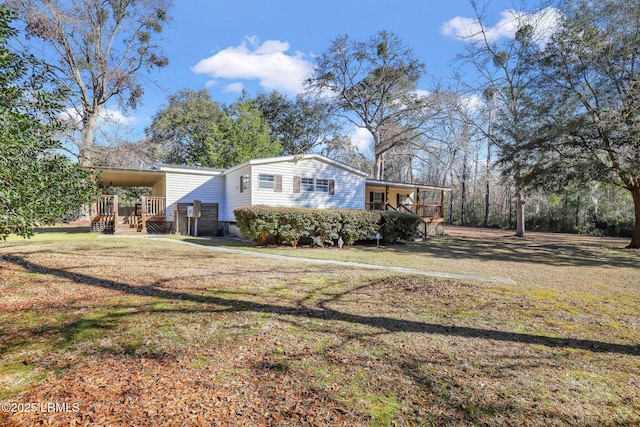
<point x="257" y="222"/>
<point x="358" y="225"/>
<point x="293" y="224"/>
<point x="396" y="226"/>
<point x="287" y="226"/>
<point x="326" y="226"/>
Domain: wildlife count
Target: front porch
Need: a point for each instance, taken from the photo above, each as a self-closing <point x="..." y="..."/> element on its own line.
<point x="427" y="202"/>
<point x="132" y="214"/>
<point x="148" y="216"/>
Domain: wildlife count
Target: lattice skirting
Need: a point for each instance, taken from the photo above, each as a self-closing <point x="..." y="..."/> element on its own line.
<point x="159" y="227"/>
<point x="106" y="227"/>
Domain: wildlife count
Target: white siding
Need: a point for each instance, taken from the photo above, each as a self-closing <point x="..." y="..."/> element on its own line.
<point x="349" y="190"/>
<point x="235" y="198"/>
<point x="186" y="186"/>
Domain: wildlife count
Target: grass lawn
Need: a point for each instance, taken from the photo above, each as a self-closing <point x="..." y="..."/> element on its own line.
<point x="152" y="333"/>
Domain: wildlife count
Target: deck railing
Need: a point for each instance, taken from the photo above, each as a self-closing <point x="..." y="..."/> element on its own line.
<point x="153" y="206"/>
<point x="106" y="206"/>
<point x="423" y="211"/>
<point x="375" y="206"/>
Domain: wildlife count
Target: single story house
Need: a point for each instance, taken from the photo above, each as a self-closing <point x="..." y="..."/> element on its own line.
<point x="310" y="180"/>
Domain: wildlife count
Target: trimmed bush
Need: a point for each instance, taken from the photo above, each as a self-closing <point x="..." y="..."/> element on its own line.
<point x="396" y="226"/>
<point x="326" y="227"/>
<point x="286" y="226"/>
<point x="358" y="225"/>
<point x="257" y="223"/>
<point x="293" y="224"/>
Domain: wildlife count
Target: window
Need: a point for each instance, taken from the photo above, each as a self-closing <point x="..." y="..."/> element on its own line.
<point x="313" y="184"/>
<point x="307" y="184"/>
<point x="322" y="185"/>
<point x="266" y="182"/>
<point x="376" y="201"/>
<point x="270" y="182"/>
<point x="244" y="183"/>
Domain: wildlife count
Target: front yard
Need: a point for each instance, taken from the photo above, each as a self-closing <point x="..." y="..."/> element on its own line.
<point x="142" y="332"/>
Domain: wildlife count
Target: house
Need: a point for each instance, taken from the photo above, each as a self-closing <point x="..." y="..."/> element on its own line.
<point x="310" y="180"/>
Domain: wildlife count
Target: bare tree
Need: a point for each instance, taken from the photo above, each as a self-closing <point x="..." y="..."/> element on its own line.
<point x="374" y="85"/>
<point x="503" y="67"/>
<point x="98" y="50"/>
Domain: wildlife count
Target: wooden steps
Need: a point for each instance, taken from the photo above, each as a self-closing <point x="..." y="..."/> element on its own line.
<point x="128" y="225"/>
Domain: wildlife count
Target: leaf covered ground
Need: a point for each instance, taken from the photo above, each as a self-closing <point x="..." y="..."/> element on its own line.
<point x="140" y="332"/>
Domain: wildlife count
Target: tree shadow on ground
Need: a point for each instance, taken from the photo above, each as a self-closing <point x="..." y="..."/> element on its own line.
<point x="517" y="252"/>
<point x="384" y="323"/>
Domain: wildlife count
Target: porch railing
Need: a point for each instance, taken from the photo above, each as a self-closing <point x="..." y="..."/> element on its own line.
<point x="105" y="206"/>
<point x="375" y="206"/>
<point x="153" y="206"/>
<point x="425" y="211"/>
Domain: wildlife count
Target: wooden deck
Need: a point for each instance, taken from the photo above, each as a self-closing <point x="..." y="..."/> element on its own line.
<point x="432" y="215"/>
<point x="147" y="216"/>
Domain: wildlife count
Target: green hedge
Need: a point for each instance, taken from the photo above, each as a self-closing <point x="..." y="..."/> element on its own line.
<point x="396" y="226"/>
<point x="287" y="226"/>
<point x="358" y="225"/>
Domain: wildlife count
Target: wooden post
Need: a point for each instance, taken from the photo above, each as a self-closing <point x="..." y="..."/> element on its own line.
<point x="441" y="203"/>
<point x="176" y="222"/>
<point x="115" y="206"/>
<point x="386" y="197"/>
<point x="143" y="210"/>
<point x="418" y="202"/>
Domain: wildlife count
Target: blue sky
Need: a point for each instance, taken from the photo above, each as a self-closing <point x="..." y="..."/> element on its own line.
<point x="259" y="46"/>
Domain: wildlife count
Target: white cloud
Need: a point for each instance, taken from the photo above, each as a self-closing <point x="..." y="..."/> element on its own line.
<point x="421" y="93"/>
<point x="267" y="62"/>
<point x="361" y="138"/>
<point x="472" y="103"/>
<point x="107" y="116"/>
<point x="469" y="29"/>
<point x="236" y="87"/>
<point x="116" y="117"/>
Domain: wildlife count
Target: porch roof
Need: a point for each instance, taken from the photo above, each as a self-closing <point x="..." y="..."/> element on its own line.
<point x="118" y="177"/>
<point x="402" y="185"/>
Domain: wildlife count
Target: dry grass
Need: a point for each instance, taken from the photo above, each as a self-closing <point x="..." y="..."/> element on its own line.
<point x="138" y="332"/>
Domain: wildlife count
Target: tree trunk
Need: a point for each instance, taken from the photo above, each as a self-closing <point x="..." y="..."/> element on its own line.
<point x="486" y="205"/>
<point x="86" y="144"/>
<point x="510" y="208"/>
<point x="635" y="238"/>
<point x="377" y="168"/>
<point x="450" y="198"/>
<point x="519" y="214"/>
<point x="463" y="195"/>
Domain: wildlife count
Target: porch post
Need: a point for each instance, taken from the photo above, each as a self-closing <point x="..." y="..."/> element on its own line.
<point x="143" y="210"/>
<point x="386" y="197"/>
<point x="441" y="203"/>
<point x="115" y="207"/>
<point x="176" y="220"/>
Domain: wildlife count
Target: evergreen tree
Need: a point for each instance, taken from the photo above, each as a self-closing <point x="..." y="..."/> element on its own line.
<point x="38" y="184"/>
